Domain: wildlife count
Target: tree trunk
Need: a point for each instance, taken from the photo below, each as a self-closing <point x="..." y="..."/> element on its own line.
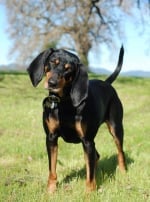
<point x="84" y="58"/>
<point x="82" y="46"/>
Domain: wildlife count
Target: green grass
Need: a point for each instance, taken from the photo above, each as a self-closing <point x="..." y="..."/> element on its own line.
<point x="23" y="158"/>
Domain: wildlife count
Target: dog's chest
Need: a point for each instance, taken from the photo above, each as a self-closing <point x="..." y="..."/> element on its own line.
<point x="66" y="114"/>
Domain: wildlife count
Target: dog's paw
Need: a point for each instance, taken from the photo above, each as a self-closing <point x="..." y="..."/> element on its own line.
<point x="90" y="186"/>
<point x="51" y="188"/>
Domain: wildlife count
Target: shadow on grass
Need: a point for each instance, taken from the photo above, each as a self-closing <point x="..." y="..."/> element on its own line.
<point x="106" y="168"/>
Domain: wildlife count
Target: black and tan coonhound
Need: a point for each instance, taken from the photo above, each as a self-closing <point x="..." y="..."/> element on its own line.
<point x="76" y="107"/>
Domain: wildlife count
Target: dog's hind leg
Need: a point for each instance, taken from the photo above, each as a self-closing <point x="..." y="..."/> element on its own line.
<point x="117" y="133"/>
<point x="115" y="126"/>
<point x="91" y="156"/>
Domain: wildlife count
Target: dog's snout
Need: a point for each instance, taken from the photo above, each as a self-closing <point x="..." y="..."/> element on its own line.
<point x="52" y="82"/>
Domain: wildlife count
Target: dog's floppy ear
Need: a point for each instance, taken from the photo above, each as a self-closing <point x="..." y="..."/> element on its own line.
<point x="36" y="68"/>
<point x="79" y="91"/>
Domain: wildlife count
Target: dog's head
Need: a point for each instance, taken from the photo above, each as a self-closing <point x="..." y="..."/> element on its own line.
<point x="61" y="69"/>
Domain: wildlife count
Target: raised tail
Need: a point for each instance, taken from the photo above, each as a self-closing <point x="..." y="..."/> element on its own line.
<point x="114" y="75"/>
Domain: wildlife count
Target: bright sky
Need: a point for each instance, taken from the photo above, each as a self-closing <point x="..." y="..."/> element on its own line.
<point x="137" y="48"/>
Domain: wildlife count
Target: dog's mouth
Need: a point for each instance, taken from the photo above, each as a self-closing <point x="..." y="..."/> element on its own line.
<point x="54" y="90"/>
<point x="57" y="89"/>
<point x="50" y="88"/>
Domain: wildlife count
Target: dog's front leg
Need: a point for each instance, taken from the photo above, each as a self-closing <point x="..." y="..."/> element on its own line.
<point x="90" y="160"/>
<point x="51" y="125"/>
<point x="90" y="154"/>
<point x="52" y="149"/>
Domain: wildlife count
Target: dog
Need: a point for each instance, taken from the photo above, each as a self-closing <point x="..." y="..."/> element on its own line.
<point x="76" y="107"/>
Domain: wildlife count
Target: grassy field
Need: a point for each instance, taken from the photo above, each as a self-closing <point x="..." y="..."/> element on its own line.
<point x="23" y="158"/>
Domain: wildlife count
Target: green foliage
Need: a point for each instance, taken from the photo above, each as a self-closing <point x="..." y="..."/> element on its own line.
<point x="23" y="158"/>
<point x="52" y="44"/>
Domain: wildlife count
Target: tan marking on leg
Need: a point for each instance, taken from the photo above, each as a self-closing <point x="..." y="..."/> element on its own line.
<point x="80" y="128"/>
<point x="52" y="179"/>
<point x="90" y="184"/>
<point x="121" y="158"/>
<point x="52" y="124"/>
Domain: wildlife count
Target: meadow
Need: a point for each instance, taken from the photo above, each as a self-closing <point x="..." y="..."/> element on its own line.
<point x="23" y="158"/>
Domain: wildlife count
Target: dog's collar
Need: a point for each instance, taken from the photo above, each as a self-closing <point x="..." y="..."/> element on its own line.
<point x="54" y="98"/>
<point x="51" y="101"/>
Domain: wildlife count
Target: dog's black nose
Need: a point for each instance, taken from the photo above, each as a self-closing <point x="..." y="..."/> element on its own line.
<point x="52" y="83"/>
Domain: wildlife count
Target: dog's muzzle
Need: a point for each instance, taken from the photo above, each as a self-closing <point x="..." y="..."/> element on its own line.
<point x="52" y="83"/>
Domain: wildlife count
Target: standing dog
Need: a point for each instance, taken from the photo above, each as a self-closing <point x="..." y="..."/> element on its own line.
<point x="76" y="107"/>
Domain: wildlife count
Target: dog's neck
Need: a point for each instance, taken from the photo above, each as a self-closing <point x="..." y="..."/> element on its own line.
<point x="51" y="101"/>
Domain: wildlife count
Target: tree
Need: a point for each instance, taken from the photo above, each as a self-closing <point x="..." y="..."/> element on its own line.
<point x="77" y="24"/>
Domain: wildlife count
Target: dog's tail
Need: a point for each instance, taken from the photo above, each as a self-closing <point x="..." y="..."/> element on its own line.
<point x="114" y="75"/>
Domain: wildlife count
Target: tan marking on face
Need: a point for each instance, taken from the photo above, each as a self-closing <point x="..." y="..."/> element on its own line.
<point x="46" y="68"/>
<point x="52" y="124"/>
<point x="48" y="76"/>
<point x="61" y="82"/>
<point x="61" y="85"/>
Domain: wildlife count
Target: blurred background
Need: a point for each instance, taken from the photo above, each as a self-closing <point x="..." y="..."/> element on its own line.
<point x="92" y="29"/>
